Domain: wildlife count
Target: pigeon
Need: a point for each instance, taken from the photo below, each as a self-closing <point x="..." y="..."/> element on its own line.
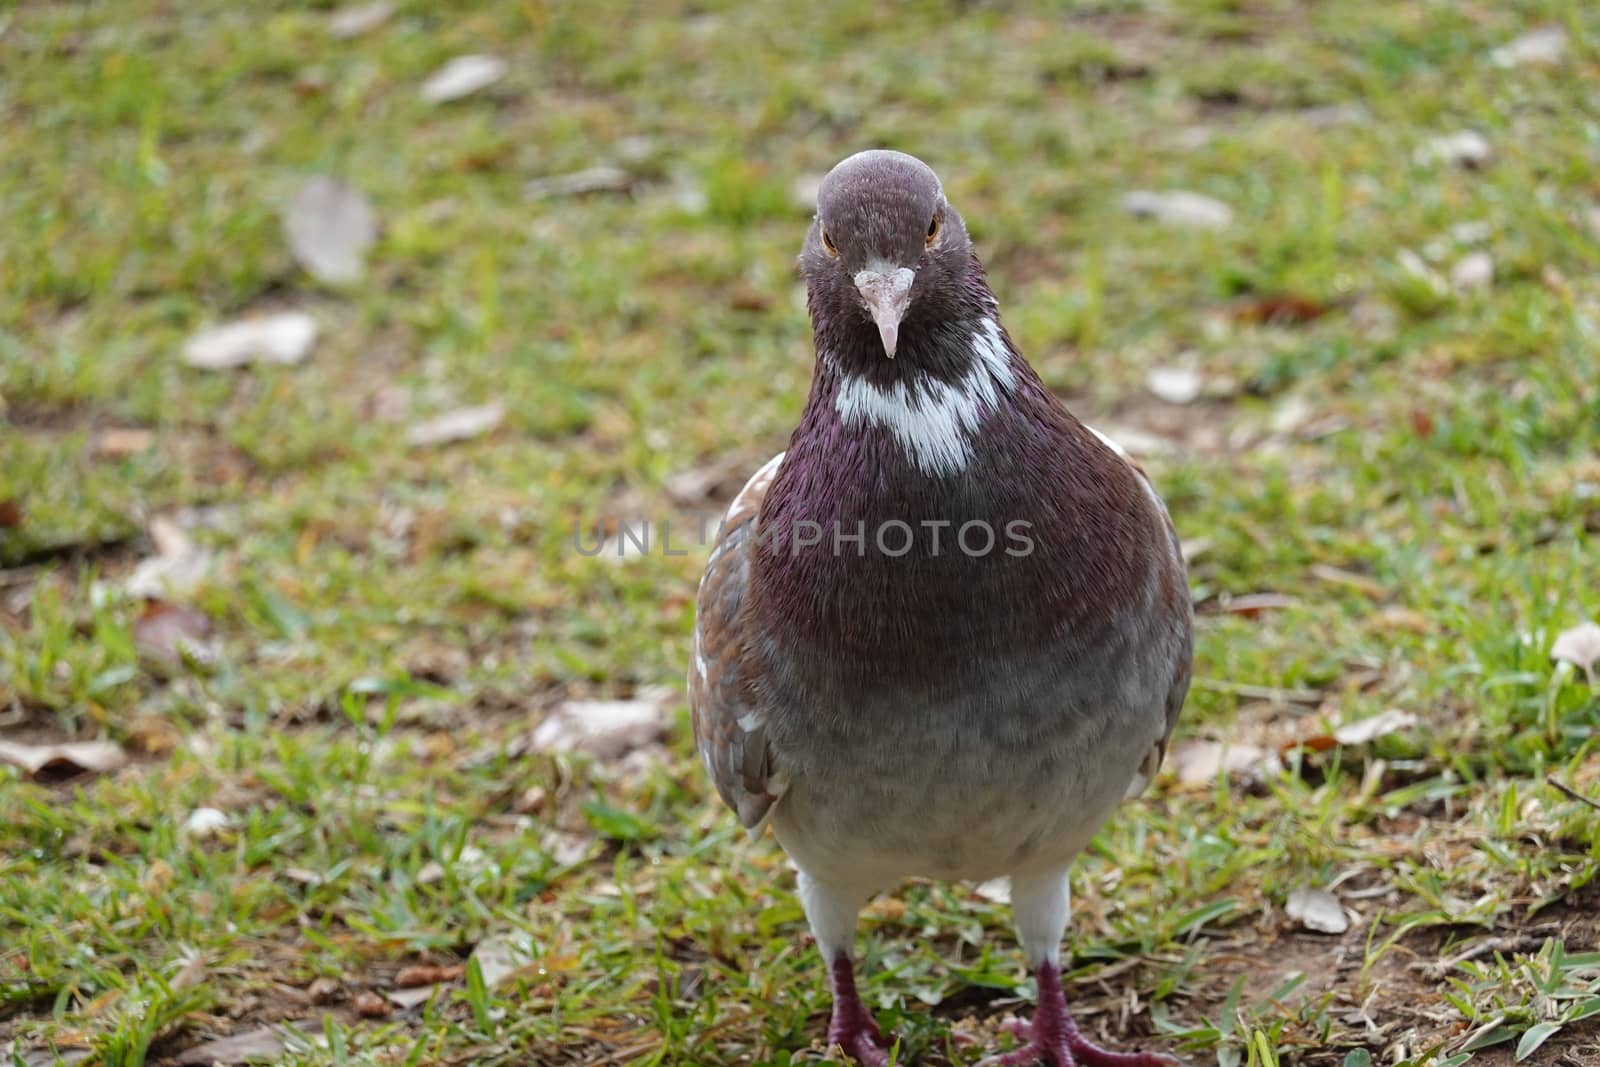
<point x="948" y="629"/>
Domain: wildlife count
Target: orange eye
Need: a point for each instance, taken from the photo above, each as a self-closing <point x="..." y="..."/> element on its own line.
<point x="827" y="244"/>
<point x="933" y="231"/>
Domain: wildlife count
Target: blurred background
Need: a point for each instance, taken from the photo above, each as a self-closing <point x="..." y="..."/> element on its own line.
<point x="327" y="334"/>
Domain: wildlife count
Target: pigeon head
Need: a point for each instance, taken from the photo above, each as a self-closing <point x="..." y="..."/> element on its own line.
<point x="887" y="256"/>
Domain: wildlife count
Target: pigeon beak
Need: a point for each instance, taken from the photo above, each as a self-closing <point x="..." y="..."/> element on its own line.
<point x="887" y="293"/>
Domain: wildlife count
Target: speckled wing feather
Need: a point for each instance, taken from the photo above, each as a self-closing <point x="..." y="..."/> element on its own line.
<point x="729" y="726"/>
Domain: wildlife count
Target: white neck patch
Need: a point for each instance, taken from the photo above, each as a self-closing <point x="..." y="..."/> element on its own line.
<point x="934" y="422"/>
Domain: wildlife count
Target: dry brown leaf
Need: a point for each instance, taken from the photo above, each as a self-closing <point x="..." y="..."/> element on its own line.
<point x="603" y="729"/>
<point x="330" y="226"/>
<point x="461" y="77"/>
<point x="406" y="999"/>
<point x="10" y="514"/>
<point x="1199" y="762"/>
<point x="168" y="633"/>
<point x="323" y="990"/>
<point x="502" y="956"/>
<point x="421" y="974"/>
<point x="1579" y="646"/>
<point x="1252" y="604"/>
<point x="66" y="760"/>
<point x="1365" y="731"/>
<point x="121" y="442"/>
<point x="458" y="425"/>
<point x="370" y="1005"/>
<point x="252" y="1046"/>
<point x="714" y="481"/>
<point x="284" y="337"/>
<point x="1280" y="308"/>
<point x="1317" y="909"/>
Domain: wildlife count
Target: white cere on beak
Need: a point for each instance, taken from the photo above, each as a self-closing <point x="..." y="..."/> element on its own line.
<point x="886" y="290"/>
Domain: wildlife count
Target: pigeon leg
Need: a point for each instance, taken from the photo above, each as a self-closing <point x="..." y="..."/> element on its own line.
<point x="832" y="910"/>
<point x="1054" y="1041"/>
<point x="1042" y="903"/>
<point x="852" y="1027"/>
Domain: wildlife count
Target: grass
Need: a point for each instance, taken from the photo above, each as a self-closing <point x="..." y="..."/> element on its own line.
<point x="1413" y="471"/>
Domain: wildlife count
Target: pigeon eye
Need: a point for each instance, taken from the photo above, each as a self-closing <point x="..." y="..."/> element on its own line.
<point x="827" y="244"/>
<point x="933" y="231"/>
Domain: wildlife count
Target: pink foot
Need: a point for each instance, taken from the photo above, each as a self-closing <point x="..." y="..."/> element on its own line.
<point x="1053" y="1039"/>
<point x="852" y="1027"/>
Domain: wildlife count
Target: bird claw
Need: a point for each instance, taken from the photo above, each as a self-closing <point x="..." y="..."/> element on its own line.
<point x="1068" y="1052"/>
<point x="865" y="1047"/>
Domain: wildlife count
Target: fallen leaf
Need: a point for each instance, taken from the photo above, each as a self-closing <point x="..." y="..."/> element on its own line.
<point x="566" y="849"/>
<point x="119" y="443"/>
<point x="502" y="956"/>
<point x="421" y="974"/>
<point x="1579" y="646"/>
<point x="458" y="425"/>
<point x="1252" y="604"/>
<point x="1473" y="273"/>
<point x="997" y="890"/>
<point x="1317" y="909"/>
<point x="461" y="77"/>
<point x="248" y="1047"/>
<point x="169" y="633"/>
<point x="603" y="729"/>
<point x="55" y="763"/>
<point x="1280" y="309"/>
<point x="1199" y="762"/>
<point x="1179" y="207"/>
<point x="1363" y="731"/>
<point x="1174" y="385"/>
<point x="579" y="183"/>
<point x="206" y="822"/>
<point x="1465" y="148"/>
<point x="406" y="999"/>
<point x="323" y="990"/>
<point x="532" y="800"/>
<point x="285" y="337"/>
<point x="330" y="226"/>
<point x="350" y="22"/>
<point x="370" y="1005"/>
<point x="1540" y="47"/>
<point x="177" y="568"/>
<point x="10" y="514"/>
<point x="1315" y="743"/>
<point x="713" y="481"/>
